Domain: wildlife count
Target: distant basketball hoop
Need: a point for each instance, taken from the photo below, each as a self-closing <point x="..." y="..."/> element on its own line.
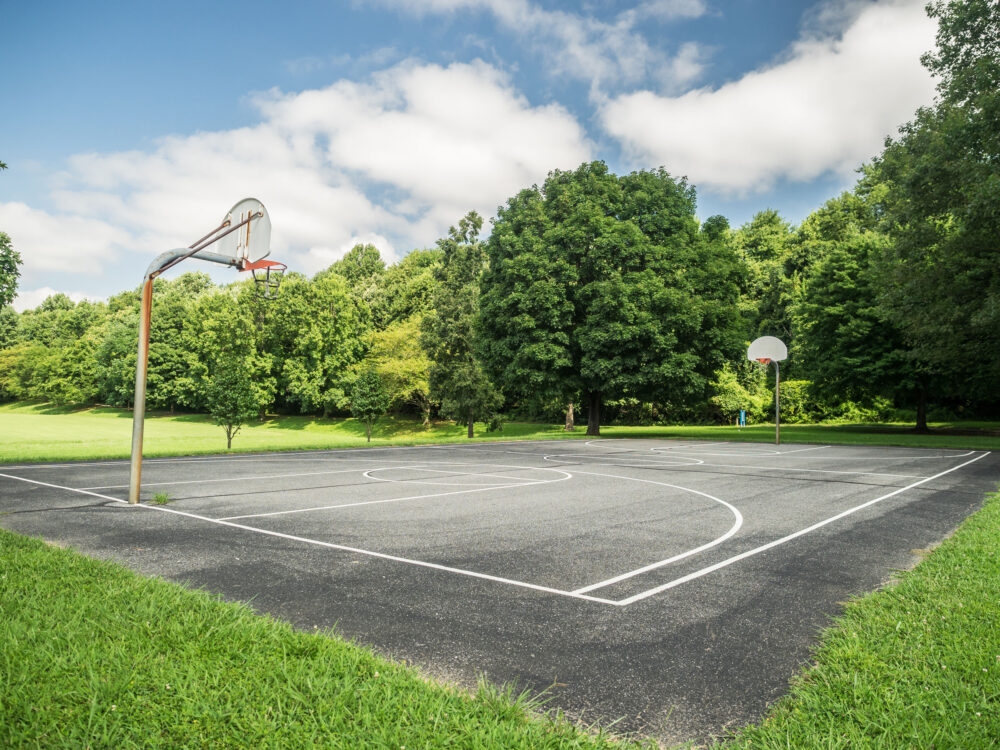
<point x="768" y="349"/>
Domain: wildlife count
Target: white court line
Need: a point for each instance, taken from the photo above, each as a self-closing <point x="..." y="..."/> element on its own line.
<point x="230" y="479"/>
<point x="812" y="471"/>
<point x="390" y="500"/>
<point x="329" y="545"/>
<point x="799" y="450"/>
<point x="688" y="553"/>
<point x="368" y="474"/>
<point x="802" y="532"/>
<point x="652" y="463"/>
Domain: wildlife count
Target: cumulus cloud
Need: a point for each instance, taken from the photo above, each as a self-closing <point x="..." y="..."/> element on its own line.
<point x="28" y="299"/>
<point x="604" y="53"/>
<point x="825" y="107"/>
<point x="48" y="242"/>
<point x="393" y="161"/>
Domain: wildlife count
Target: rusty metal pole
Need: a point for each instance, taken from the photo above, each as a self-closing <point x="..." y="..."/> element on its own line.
<point x="777" y="404"/>
<point x="139" y="404"/>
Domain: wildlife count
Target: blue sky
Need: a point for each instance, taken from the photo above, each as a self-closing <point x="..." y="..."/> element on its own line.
<point x="130" y="127"/>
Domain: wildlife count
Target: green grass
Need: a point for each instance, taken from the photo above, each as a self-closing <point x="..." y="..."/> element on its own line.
<point x="92" y="655"/>
<point x="41" y="432"/>
<point x="915" y="665"/>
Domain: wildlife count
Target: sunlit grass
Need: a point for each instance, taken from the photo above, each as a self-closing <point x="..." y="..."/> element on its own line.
<point x="92" y="655"/>
<point x="916" y="665"/>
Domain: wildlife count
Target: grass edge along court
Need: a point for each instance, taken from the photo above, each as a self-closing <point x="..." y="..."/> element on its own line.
<point x="40" y="432"/>
<point x="94" y="654"/>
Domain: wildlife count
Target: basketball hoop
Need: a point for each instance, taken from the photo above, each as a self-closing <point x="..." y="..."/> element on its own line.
<point x="242" y="241"/>
<point x="267" y="276"/>
<point x="768" y="349"/>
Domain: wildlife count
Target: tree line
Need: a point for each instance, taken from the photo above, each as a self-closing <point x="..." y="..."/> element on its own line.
<point x="601" y="294"/>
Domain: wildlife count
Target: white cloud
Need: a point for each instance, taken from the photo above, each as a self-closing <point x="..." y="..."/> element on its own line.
<point x="48" y="242"/>
<point x="394" y="161"/>
<point x="448" y="139"/>
<point x="827" y="106"/>
<point x="605" y="53"/>
<point x="28" y="299"/>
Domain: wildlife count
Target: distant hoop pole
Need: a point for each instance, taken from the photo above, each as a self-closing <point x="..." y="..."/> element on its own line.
<point x="160" y="264"/>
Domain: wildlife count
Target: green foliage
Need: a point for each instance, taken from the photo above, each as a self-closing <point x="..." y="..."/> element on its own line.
<point x="405" y="289"/>
<point x="230" y="396"/>
<point x="843" y="342"/>
<point x="448" y="332"/>
<point x="741" y="387"/>
<point x="798" y="405"/>
<point x="911" y="665"/>
<point x="603" y="286"/>
<point x="936" y="188"/>
<point x="97" y="656"/>
<point x="369" y="399"/>
<point x="10" y="261"/>
<point x="402" y="365"/>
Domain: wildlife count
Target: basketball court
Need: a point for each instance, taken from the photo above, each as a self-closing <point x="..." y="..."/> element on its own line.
<point x="672" y="586"/>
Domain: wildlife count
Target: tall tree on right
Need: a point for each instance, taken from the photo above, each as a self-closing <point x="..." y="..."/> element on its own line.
<point x="937" y="186"/>
<point x="604" y="286"/>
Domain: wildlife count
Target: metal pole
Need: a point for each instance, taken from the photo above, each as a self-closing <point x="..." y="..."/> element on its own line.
<point x="777" y="404"/>
<point x="139" y="405"/>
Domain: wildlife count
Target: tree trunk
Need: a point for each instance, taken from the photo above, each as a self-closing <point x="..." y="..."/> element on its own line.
<point x="471" y="422"/>
<point x="229" y="438"/>
<point x="570" y="424"/>
<point x="594" y="413"/>
<point x="922" y="411"/>
<point x="368" y="430"/>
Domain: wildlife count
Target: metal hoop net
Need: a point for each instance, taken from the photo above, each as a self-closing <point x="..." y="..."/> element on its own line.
<point x="267" y="276"/>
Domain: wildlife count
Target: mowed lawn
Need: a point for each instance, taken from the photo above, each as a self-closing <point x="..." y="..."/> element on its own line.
<point x="42" y="432"/>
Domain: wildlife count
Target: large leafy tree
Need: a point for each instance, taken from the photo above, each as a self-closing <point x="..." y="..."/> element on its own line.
<point x="940" y="182"/>
<point x="448" y="333"/>
<point x="603" y="286"/>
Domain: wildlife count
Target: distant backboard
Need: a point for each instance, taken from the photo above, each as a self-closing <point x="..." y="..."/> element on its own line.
<point x="767" y="348"/>
<point x="252" y="241"/>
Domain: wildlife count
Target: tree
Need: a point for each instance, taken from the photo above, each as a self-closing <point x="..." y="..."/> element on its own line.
<point x="369" y="399"/>
<point x="603" y="286"/>
<point x="402" y="365"/>
<point x="10" y="261"/>
<point x="230" y="395"/>
<point x="844" y="344"/>
<point x="936" y="188"/>
<point x="315" y="332"/>
<point x="448" y="332"/>
<point x="765" y="243"/>
<point x="405" y="289"/>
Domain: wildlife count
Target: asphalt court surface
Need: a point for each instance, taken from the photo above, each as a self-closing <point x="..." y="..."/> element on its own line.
<point x="673" y="587"/>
